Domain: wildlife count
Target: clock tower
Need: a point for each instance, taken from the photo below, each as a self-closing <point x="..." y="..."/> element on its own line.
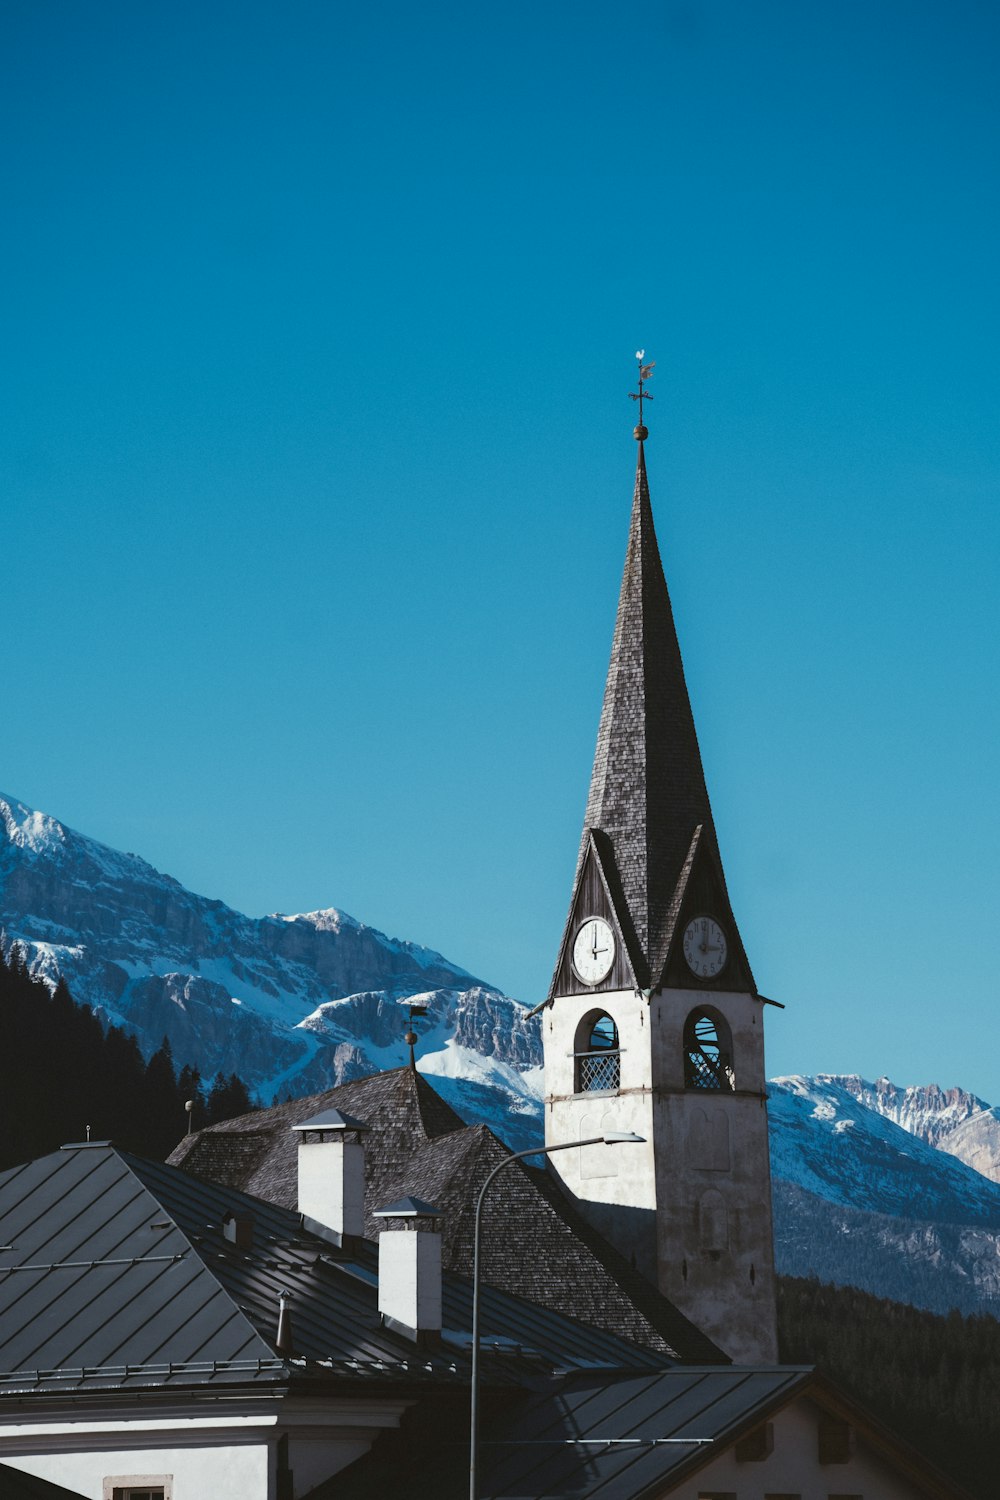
<point x="653" y="1022"/>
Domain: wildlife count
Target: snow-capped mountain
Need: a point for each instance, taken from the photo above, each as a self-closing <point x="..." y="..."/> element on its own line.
<point x="863" y="1201"/>
<point x="950" y="1119"/>
<point x="875" y="1186"/>
<point x="291" y="1003"/>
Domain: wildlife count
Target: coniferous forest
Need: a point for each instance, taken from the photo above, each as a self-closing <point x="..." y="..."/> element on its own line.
<point x="62" y="1072"/>
<point x="935" y="1380"/>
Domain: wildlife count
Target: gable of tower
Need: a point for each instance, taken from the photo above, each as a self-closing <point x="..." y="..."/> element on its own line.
<point x="598" y="893"/>
<point x="701" y="891"/>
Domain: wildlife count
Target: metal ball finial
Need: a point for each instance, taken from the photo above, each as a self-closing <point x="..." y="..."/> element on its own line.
<point x="640" y="433"/>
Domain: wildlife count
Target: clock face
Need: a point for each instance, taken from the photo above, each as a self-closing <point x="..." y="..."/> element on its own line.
<point x="594" y="950"/>
<point x="705" y="947"/>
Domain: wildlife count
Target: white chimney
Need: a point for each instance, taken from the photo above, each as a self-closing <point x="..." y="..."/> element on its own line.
<point x="409" y="1266"/>
<point x="332" y="1173"/>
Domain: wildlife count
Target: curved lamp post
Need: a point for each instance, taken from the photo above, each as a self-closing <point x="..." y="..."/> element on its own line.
<point x="612" y="1138"/>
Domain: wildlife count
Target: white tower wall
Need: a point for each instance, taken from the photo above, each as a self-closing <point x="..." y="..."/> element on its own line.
<point x="691" y="1209"/>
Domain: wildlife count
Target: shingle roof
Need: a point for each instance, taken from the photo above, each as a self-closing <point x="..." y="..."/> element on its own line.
<point x="647" y="790"/>
<point x="119" y="1274"/>
<point x="536" y="1244"/>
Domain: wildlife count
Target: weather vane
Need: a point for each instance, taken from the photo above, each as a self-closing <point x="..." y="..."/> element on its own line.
<point x="641" y="395"/>
<point x="412" y="1037"/>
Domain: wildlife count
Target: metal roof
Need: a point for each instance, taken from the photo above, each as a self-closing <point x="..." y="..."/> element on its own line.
<point x="118" y="1273"/>
<point x="409" y="1208"/>
<point x="332" y="1119"/>
<point x="589" y="1437"/>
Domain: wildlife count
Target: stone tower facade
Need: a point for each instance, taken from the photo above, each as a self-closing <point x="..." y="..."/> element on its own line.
<point x="653" y="1021"/>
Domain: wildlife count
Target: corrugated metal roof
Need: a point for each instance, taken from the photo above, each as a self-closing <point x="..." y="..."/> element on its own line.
<point x="120" y="1274"/>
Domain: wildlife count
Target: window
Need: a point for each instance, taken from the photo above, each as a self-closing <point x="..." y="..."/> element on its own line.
<point x="708" y="1052"/>
<point x="597" y="1054"/>
<point x="139" y="1487"/>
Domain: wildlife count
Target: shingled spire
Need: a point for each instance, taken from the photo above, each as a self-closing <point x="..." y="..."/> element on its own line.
<point x="648" y="818"/>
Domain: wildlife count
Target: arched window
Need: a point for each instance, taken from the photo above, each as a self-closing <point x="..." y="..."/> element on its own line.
<point x="598" y="1058"/>
<point x="708" y="1052"/>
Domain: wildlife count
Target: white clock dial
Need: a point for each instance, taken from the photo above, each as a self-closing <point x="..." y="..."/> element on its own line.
<point x="594" y="950"/>
<point x="705" y="947"/>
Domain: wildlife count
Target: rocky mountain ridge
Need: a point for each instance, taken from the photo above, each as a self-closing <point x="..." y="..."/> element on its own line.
<point x="293" y="1004"/>
<point x="862" y="1201"/>
<point x="895" y="1190"/>
<point x="950" y="1119"/>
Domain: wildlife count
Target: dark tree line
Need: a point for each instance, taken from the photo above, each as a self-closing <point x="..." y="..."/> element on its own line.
<point x="933" y="1378"/>
<point x="61" y="1071"/>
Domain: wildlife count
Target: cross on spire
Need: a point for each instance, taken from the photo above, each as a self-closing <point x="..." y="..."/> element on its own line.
<point x="641" y="395"/>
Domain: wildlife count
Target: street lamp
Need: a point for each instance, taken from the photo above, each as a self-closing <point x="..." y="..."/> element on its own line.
<point x="612" y="1138"/>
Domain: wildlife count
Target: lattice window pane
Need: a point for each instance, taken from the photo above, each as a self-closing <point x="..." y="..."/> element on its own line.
<point x="599" y="1071"/>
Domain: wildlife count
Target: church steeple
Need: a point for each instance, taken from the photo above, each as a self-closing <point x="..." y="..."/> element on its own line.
<point x="653" y="1022"/>
<point x="648" y="817"/>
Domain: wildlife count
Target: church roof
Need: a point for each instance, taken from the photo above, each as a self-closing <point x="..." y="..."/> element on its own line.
<point x="648" y="800"/>
<point x="535" y="1243"/>
<point x="116" y="1274"/>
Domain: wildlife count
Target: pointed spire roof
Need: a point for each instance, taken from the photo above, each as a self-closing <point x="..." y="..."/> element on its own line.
<point x="648" y="806"/>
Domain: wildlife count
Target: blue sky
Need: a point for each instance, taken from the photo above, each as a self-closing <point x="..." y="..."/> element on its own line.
<point x="316" y="465"/>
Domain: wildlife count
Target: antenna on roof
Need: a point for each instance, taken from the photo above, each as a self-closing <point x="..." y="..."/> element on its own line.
<point x="411" y="1037"/>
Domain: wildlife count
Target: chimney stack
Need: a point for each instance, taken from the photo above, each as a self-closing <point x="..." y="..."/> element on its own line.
<point x="409" y="1267"/>
<point x="332" y="1174"/>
